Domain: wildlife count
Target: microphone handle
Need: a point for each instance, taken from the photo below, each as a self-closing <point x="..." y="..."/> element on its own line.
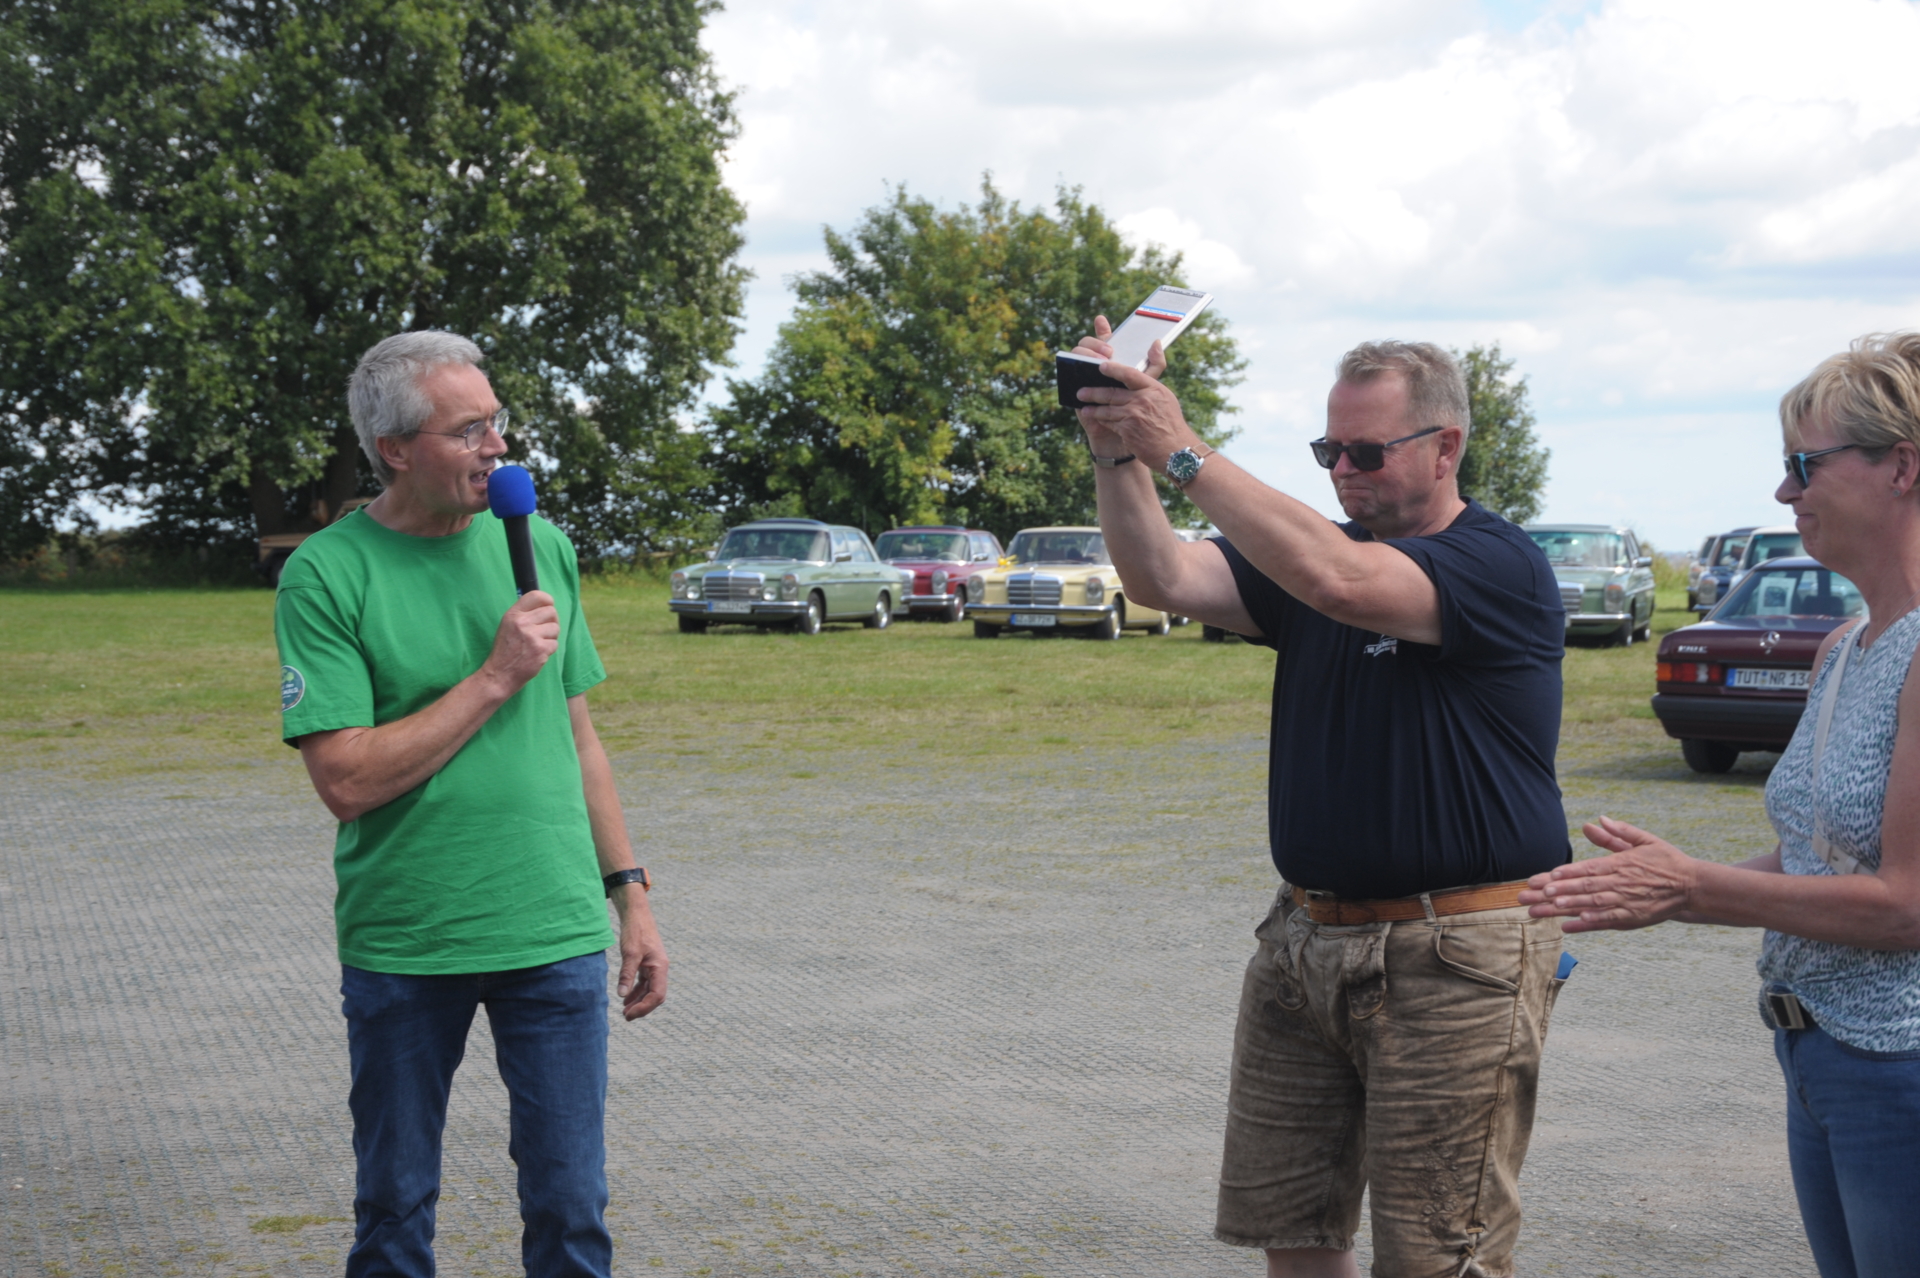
<point x="520" y="550"/>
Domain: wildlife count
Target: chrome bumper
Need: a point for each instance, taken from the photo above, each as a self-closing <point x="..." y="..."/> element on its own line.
<point x="1597" y="620"/>
<point x="929" y="601"/>
<point x="997" y="614"/>
<point x="778" y="609"/>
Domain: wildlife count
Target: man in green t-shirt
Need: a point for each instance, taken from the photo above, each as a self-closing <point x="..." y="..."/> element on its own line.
<point x="446" y="726"/>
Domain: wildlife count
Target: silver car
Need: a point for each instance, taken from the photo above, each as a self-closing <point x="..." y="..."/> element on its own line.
<point x="1606" y="582"/>
<point x="1762" y="545"/>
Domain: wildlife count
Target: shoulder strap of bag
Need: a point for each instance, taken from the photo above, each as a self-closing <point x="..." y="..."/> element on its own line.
<point x="1840" y="862"/>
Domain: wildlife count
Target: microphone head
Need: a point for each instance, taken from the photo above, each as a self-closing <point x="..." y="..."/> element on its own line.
<point x="510" y="492"/>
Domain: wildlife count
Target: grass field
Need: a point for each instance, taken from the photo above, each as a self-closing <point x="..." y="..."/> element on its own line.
<point x="136" y="681"/>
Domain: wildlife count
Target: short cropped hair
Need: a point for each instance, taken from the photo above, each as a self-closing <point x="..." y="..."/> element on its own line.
<point x="1436" y="388"/>
<point x="1869" y="394"/>
<point x="384" y="395"/>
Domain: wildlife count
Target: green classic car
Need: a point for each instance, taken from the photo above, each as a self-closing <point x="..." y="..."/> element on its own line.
<point x="793" y="573"/>
<point x="1606" y="583"/>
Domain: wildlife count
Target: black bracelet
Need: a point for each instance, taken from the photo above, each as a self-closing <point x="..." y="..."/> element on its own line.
<point x="619" y="877"/>
<point x="1108" y="463"/>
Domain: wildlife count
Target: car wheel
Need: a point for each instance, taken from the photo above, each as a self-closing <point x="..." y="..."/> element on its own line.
<point x="1212" y="634"/>
<point x="985" y="630"/>
<point x="808" y="622"/>
<point x="1110" y="626"/>
<point x="1178" y="620"/>
<point x="692" y="625"/>
<point x="956" y="606"/>
<point x="882" y="615"/>
<point x="1161" y="626"/>
<point x="1623" y="637"/>
<point x="1709" y="756"/>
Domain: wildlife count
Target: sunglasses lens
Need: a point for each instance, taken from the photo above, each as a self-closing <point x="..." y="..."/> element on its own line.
<point x="1797" y="467"/>
<point x="1328" y="455"/>
<point x="1367" y="456"/>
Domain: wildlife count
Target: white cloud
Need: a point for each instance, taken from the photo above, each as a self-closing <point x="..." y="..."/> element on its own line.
<point x="1665" y="210"/>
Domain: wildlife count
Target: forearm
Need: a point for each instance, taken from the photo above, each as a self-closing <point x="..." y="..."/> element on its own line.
<point x="355" y="770"/>
<point x="611" y="844"/>
<point x="1861" y="910"/>
<point x="1139" y="539"/>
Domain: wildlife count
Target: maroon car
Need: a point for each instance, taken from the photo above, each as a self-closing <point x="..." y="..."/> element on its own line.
<point x="1738" y="680"/>
<point x="940" y="558"/>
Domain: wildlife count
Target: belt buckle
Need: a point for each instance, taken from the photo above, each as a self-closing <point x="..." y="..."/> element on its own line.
<point x="1785" y="1006"/>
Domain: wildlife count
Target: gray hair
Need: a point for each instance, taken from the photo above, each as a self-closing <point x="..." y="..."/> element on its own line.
<point x="1436" y="388"/>
<point x="384" y="395"/>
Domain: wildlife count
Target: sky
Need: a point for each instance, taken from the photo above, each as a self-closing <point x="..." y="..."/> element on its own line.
<point x="1665" y="211"/>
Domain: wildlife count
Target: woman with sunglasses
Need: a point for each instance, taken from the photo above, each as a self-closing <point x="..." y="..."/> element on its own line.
<point x="1840" y="894"/>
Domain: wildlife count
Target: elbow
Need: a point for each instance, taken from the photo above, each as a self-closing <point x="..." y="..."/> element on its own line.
<point x="345" y="807"/>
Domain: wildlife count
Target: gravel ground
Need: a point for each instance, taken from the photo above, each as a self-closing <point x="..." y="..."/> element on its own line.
<point x="935" y="1020"/>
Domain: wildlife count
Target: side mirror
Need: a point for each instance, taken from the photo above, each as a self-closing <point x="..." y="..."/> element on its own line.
<point x="1644" y="561"/>
<point x="844" y="557"/>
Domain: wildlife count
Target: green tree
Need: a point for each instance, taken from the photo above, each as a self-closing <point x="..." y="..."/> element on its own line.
<point x="1505" y="468"/>
<point x="914" y="381"/>
<point x="210" y="208"/>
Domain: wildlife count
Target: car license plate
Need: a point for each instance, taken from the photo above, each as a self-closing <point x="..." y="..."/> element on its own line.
<point x="731" y="605"/>
<point x="1748" y="678"/>
<point x="1032" y="619"/>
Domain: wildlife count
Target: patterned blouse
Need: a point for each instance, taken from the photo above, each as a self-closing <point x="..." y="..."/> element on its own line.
<point x="1867" y="999"/>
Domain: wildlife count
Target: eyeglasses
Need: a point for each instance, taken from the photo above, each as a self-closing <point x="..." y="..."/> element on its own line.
<point x="1797" y="462"/>
<point x="1364" y="456"/>
<point x="473" y="432"/>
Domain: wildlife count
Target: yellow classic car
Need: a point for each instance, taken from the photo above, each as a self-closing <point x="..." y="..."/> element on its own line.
<point x="1055" y="578"/>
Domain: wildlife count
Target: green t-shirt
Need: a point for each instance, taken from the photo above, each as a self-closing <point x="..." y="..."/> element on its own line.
<point x="489" y="865"/>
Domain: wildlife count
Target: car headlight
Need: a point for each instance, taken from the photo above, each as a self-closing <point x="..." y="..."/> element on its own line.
<point x="1096" y="590"/>
<point x="679" y="585"/>
<point x="1709" y="590"/>
<point x="1616" y="594"/>
<point x="939" y="581"/>
<point x="789" y="588"/>
<point x="976" y="590"/>
<point x="770" y="591"/>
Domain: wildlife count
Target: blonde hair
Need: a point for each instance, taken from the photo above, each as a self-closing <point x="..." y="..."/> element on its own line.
<point x="1869" y="394"/>
<point x="1436" y="388"/>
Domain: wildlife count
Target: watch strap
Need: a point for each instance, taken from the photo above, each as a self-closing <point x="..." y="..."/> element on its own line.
<point x="1109" y="463"/>
<point x="619" y="878"/>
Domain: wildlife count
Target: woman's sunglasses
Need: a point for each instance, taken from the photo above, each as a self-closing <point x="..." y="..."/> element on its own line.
<point x="1363" y="456"/>
<point x="1797" y="462"/>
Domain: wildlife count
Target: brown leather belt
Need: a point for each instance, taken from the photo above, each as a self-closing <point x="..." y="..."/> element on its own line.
<point x="1322" y="908"/>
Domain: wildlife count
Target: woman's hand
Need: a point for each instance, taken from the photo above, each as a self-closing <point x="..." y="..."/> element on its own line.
<point x="1645" y="881"/>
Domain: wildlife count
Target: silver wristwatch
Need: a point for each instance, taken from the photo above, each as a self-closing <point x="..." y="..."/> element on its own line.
<point x="1183" y="466"/>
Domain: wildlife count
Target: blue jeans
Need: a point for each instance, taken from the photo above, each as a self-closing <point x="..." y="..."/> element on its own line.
<point x="1853" y="1138"/>
<point x="406" y="1036"/>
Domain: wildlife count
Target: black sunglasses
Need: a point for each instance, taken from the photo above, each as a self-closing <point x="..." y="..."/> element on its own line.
<point x="1365" y="456"/>
<point x="1797" y="462"/>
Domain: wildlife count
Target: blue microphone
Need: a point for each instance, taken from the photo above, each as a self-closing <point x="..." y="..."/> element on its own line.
<point x="510" y="497"/>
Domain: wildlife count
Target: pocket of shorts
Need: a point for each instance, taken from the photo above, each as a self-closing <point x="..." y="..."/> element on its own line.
<point x="1503" y="940"/>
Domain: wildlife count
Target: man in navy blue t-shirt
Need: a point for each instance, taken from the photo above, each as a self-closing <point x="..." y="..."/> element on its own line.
<point x="1392" y="1019"/>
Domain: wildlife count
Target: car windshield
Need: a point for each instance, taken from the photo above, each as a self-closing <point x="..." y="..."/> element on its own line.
<point x="1775" y="546"/>
<point x="1792" y="592"/>
<point x="1059" y="548"/>
<point x="774" y="543"/>
<point x="1581" y="549"/>
<point x="1730" y="552"/>
<point x="946" y="546"/>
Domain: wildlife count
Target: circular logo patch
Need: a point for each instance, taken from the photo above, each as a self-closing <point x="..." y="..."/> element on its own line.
<point x="293" y="686"/>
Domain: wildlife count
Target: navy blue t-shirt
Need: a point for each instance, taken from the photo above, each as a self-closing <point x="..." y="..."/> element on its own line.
<point x="1398" y="767"/>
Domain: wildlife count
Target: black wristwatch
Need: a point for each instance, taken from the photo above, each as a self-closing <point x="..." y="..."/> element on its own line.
<point x="638" y="874"/>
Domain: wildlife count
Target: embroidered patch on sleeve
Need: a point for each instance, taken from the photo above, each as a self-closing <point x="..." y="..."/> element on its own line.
<point x="293" y="686"/>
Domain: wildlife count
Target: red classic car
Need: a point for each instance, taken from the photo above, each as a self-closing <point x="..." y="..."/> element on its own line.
<point x="1738" y="680"/>
<point x="939" y="557"/>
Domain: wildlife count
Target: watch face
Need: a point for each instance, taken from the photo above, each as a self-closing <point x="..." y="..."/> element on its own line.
<point x="1183" y="466"/>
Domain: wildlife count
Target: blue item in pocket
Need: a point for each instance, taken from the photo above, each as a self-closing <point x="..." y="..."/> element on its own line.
<point x="1566" y="966"/>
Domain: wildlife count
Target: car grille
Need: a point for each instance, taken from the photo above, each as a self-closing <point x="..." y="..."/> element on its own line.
<point x="733" y="585"/>
<point x="1570" y="595"/>
<point x="1032" y="590"/>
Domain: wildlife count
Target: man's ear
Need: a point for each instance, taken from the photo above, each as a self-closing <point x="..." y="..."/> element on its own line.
<point x="1453" y="446"/>
<point x="395" y="450"/>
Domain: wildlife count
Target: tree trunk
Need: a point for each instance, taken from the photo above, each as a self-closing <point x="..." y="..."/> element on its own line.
<point x="342" y="477"/>
<point x="269" y="505"/>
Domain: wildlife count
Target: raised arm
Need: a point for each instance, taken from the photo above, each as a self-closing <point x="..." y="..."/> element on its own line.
<point x="355" y="770"/>
<point x="1364" y="584"/>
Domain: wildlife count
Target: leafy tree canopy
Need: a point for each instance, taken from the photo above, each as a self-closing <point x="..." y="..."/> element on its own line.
<point x="1505" y="468"/>
<point x="210" y="208"/>
<point x="914" y="382"/>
